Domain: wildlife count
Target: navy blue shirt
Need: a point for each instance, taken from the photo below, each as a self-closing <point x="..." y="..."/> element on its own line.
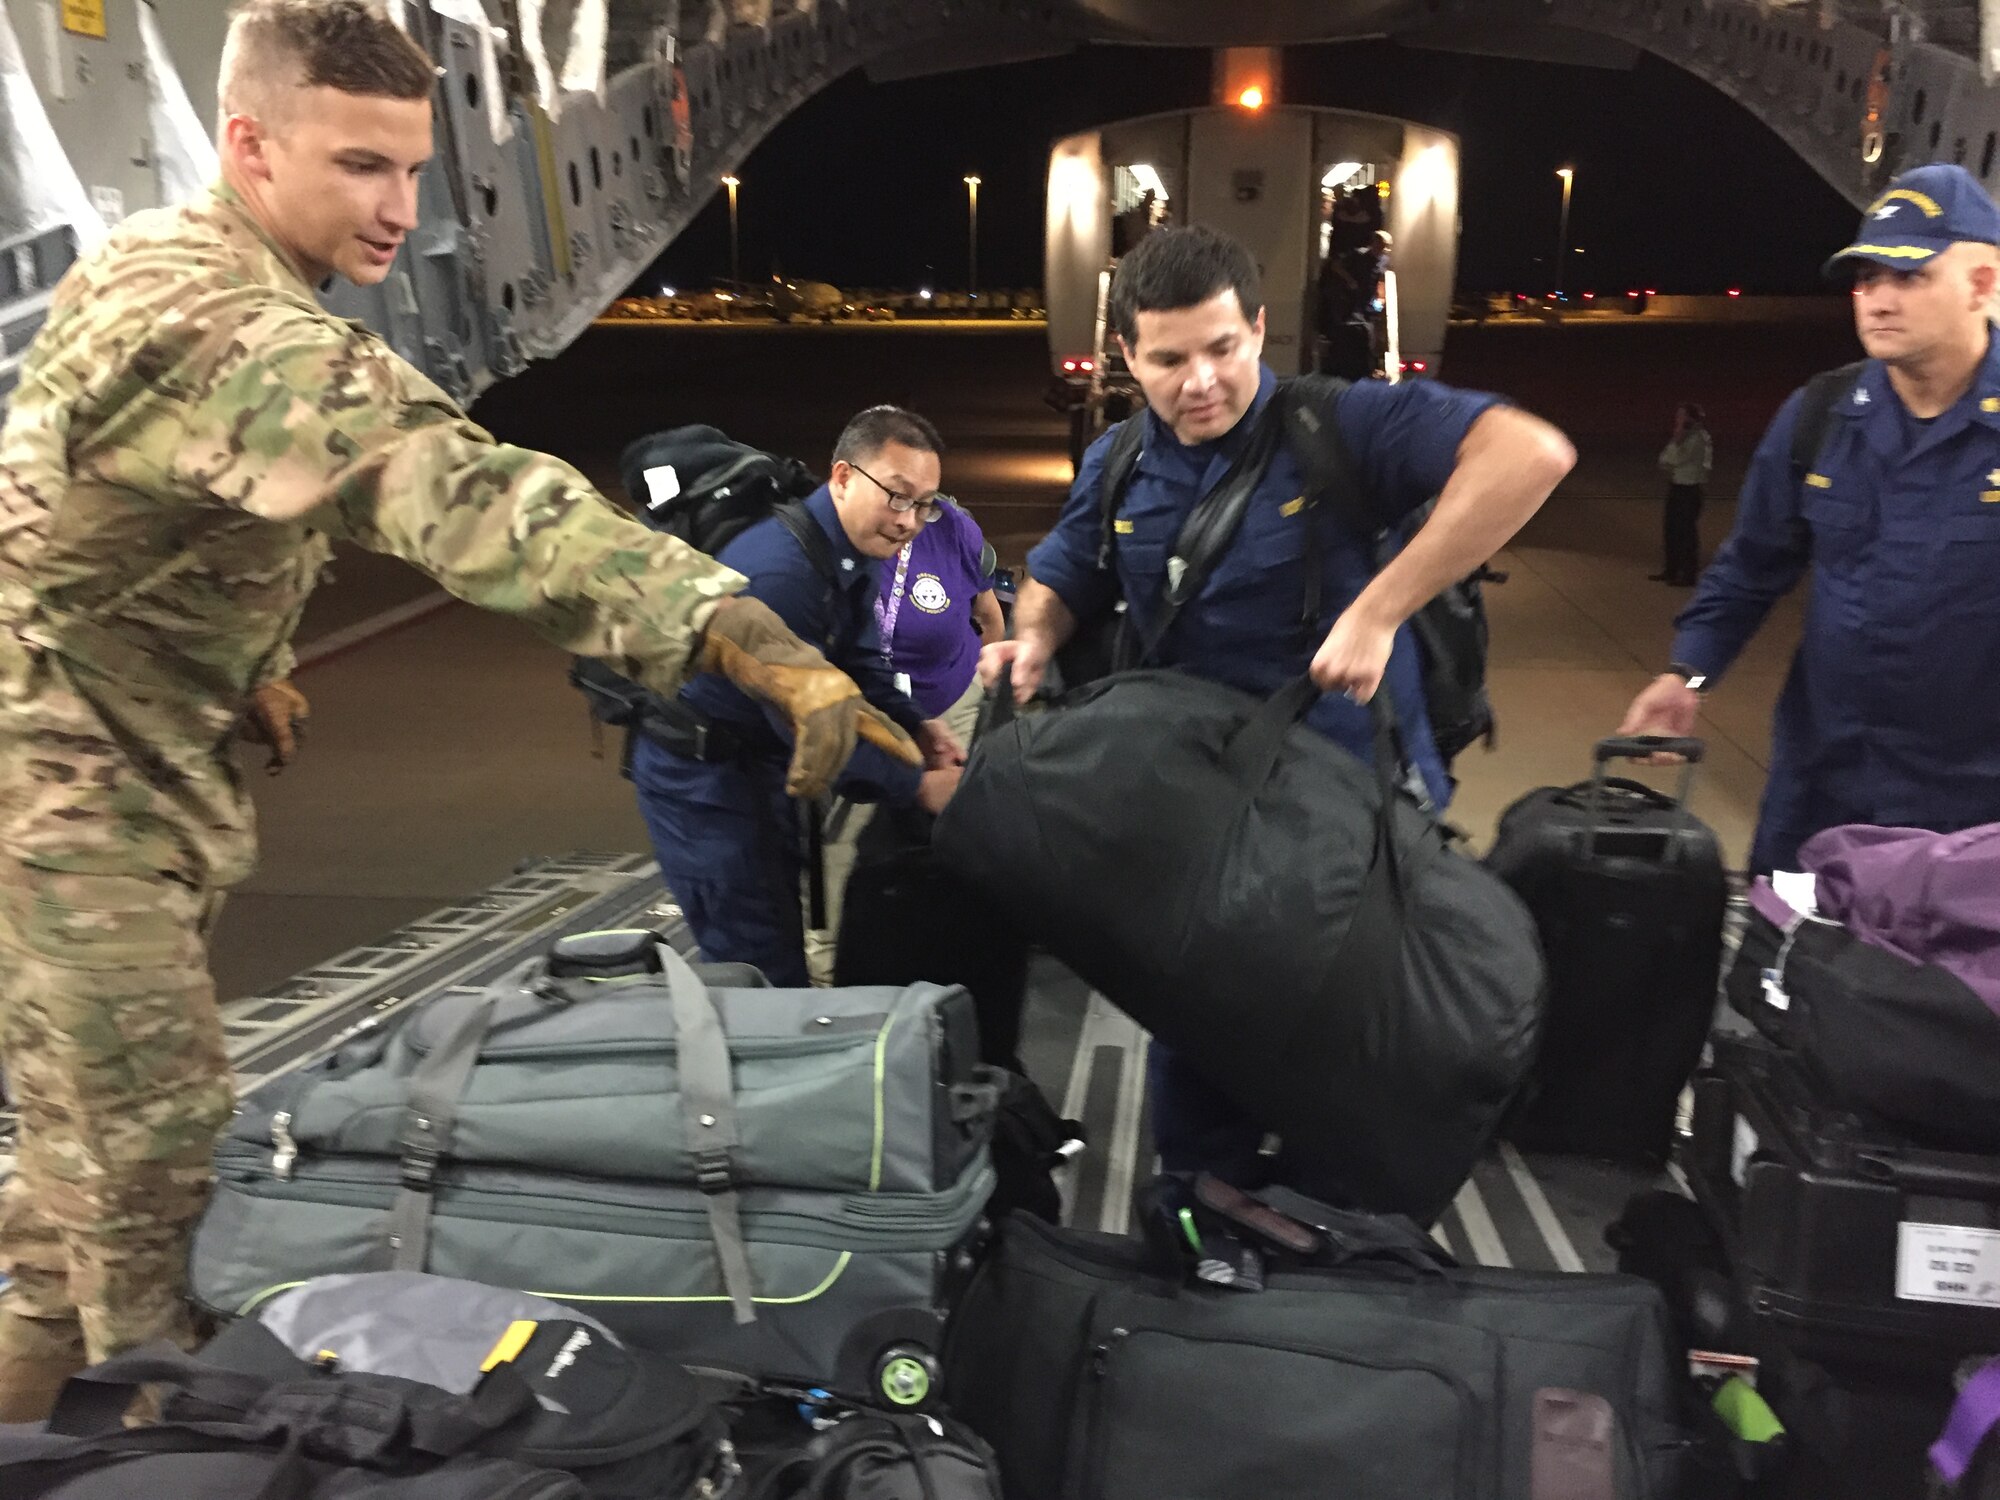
<point x="1244" y="627"/>
<point x="840" y="623"/>
<point x="1891" y="712"/>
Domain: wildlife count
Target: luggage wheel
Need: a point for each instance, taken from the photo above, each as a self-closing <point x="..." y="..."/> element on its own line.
<point x="906" y="1377"/>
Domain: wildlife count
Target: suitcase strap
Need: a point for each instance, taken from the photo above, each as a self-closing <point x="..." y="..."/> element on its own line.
<point x="436" y="1086"/>
<point x="708" y="1110"/>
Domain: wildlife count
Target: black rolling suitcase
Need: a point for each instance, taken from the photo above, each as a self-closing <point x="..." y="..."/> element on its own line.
<point x="905" y="918"/>
<point x="1866" y="1268"/>
<point x="1628" y="894"/>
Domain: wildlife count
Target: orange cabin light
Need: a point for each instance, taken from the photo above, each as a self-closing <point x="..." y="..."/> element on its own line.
<point x="1251" y="98"/>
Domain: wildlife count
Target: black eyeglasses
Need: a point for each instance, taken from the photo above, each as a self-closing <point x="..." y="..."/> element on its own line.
<point x="927" y="510"/>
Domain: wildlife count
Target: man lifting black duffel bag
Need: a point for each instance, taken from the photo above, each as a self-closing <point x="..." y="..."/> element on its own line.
<point x="1284" y="918"/>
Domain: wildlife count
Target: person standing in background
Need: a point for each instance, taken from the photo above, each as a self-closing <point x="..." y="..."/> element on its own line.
<point x="1687" y="459"/>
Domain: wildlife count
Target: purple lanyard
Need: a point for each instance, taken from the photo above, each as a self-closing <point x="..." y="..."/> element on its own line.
<point x="886" y="610"/>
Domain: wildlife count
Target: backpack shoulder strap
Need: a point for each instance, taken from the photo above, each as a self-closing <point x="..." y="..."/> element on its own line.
<point x="1823" y="393"/>
<point x="812" y="540"/>
<point x="1128" y="440"/>
<point x="1313" y="436"/>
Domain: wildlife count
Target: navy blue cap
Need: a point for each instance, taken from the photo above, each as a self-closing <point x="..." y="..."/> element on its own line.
<point x="1925" y="211"/>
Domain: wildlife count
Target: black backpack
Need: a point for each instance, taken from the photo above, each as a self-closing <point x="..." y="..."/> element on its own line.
<point x="887" y="1456"/>
<point x="1822" y="394"/>
<point x="704" y="487"/>
<point x="1451" y="631"/>
<point x="292" y="1432"/>
<point x="629" y="1423"/>
<point x="701" y="485"/>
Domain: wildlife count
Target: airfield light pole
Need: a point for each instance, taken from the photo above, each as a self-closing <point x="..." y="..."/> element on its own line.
<point x="972" y="235"/>
<point x="735" y="272"/>
<point x="1567" y="174"/>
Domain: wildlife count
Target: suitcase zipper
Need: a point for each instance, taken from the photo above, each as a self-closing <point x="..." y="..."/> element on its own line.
<point x="861" y="1213"/>
<point x="739" y="1047"/>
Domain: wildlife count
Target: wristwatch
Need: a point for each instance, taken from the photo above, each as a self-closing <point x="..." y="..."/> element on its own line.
<point x="1696" y="679"/>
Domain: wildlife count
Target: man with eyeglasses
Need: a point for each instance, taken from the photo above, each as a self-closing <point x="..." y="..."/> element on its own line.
<point x="730" y="843"/>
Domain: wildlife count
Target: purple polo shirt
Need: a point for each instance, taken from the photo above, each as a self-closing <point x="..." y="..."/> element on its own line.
<point x="924" y="605"/>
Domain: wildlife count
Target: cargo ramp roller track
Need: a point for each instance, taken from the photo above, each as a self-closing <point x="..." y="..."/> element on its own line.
<point x="1089" y="1058"/>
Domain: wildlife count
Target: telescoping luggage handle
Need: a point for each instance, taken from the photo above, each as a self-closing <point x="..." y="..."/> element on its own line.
<point x="1639" y="747"/>
<point x="708" y="1108"/>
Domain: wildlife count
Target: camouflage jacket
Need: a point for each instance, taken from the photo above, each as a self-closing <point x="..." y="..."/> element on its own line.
<point x="189" y="429"/>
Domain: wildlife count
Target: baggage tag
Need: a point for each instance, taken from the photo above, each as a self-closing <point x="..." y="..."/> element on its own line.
<point x="1717" y="1365"/>
<point x="662" y="486"/>
<point x="1775" y="994"/>
<point x="1953" y="1263"/>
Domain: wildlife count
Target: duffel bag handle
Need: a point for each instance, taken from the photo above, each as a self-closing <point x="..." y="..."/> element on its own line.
<point x="997" y="708"/>
<point x="1254" y="749"/>
<point x="1351" y="1237"/>
<point x="708" y="1119"/>
<point x="1372" y="952"/>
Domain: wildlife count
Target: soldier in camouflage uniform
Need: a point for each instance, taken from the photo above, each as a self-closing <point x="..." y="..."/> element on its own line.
<point x="189" y="430"/>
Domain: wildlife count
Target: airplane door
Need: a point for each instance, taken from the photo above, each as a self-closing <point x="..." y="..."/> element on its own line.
<point x="1250" y="176"/>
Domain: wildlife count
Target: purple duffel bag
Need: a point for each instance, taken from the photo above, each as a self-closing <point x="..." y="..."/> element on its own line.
<point x="1933" y="898"/>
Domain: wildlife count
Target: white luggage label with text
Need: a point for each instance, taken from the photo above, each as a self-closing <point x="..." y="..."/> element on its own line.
<point x="1948" y="1263"/>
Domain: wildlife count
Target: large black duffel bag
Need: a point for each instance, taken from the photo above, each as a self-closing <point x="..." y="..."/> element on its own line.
<point x="1273" y="910"/>
<point x="1379" y="1372"/>
<point x="1909" y="1043"/>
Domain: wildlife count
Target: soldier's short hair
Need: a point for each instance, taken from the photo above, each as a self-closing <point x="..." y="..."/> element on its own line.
<point x="866" y="434"/>
<point x="1181" y="267"/>
<point x="276" y="46"/>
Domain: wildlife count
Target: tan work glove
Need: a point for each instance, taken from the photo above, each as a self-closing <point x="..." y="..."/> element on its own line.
<point x="277" y="717"/>
<point x="750" y="646"/>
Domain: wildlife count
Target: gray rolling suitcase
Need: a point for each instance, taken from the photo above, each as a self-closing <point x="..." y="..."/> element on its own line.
<point x="780" y="1182"/>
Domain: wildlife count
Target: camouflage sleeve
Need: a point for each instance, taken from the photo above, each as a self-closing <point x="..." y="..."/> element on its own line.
<point x="302" y="417"/>
<point x="277" y="667"/>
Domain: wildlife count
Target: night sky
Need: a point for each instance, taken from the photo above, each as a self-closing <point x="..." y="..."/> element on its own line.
<point x="1677" y="187"/>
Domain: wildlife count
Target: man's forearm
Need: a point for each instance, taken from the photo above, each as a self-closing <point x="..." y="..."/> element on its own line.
<point x="1041" y="616"/>
<point x="1507" y="466"/>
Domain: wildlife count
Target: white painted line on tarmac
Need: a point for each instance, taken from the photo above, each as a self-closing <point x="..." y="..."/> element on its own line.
<point x="1115" y="1217"/>
<point x="1557" y="1238"/>
<point x="1480" y="1231"/>
<point x="337" y="641"/>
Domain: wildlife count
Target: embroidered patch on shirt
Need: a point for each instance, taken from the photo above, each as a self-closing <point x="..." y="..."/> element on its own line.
<point x="1819" y="481"/>
<point x="928" y="594"/>
<point x="1123" y="528"/>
